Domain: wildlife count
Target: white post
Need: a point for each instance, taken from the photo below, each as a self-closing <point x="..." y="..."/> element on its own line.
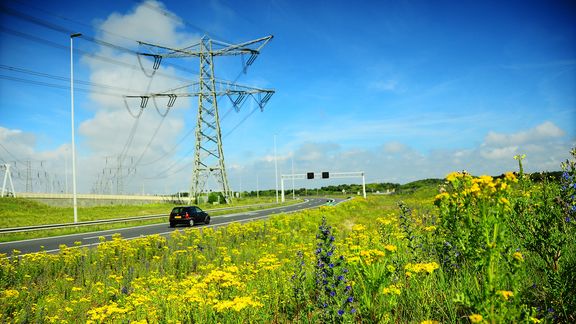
<point x="363" y="185"/>
<point x="282" y="182"/>
<point x="74" y="194"/>
<point x="293" y="195"/>
<point x="276" y="169"/>
<point x="10" y="179"/>
<point x="257" y="189"/>
<point x="5" y="178"/>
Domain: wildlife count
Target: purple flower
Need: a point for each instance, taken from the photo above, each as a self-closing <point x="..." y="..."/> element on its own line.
<point x="348" y="288"/>
<point x="353" y="310"/>
<point x="340" y="312"/>
<point x="332" y="293"/>
<point x="340" y="278"/>
<point x="350" y="299"/>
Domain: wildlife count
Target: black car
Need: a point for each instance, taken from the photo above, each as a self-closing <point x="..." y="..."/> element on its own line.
<point x="188" y="215"/>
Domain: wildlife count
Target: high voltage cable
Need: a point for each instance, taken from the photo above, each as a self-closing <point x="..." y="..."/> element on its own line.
<point x="68" y="32"/>
<point x="61" y="78"/>
<point x="57" y="86"/>
<point x="10" y="153"/>
<point x="95" y="56"/>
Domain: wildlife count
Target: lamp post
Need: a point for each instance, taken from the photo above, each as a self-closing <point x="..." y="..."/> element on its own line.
<point x="275" y="168"/>
<point x="74" y="198"/>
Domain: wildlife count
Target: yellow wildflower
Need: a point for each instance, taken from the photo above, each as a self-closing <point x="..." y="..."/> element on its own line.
<point x="510" y="176"/>
<point x="518" y="256"/>
<point x="475" y="318"/>
<point x="430" y="228"/>
<point x="422" y="267"/>
<point x="441" y="196"/>
<point x="429" y="322"/>
<point x="390" y="247"/>
<point x="10" y="293"/>
<point x="505" y="294"/>
<point x="358" y="228"/>
<point x="392" y="289"/>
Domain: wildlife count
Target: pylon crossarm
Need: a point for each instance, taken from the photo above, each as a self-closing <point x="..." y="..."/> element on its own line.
<point x="218" y="49"/>
<point x="239" y="49"/>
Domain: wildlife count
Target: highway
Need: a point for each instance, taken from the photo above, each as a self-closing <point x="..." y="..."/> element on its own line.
<point x="52" y="244"/>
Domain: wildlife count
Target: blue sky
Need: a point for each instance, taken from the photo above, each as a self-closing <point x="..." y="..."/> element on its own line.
<point x="402" y="90"/>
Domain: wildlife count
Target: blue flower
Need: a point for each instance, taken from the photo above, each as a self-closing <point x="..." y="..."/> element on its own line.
<point x="353" y="310"/>
<point x="350" y="299"/>
<point x="340" y="312"/>
<point x="332" y="293"/>
<point x="340" y="278"/>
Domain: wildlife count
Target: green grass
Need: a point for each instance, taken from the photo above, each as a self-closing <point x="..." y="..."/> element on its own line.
<point x="15" y="212"/>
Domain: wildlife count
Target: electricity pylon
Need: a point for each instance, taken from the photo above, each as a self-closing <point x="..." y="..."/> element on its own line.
<point x="7" y="176"/>
<point x="209" y="154"/>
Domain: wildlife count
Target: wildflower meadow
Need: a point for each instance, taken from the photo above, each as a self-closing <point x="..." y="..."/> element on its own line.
<point x="480" y="250"/>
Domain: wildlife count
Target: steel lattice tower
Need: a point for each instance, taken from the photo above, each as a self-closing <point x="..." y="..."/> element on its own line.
<point x="209" y="154"/>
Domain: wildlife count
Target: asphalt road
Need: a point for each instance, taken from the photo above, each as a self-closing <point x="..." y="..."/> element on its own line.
<point x="51" y="244"/>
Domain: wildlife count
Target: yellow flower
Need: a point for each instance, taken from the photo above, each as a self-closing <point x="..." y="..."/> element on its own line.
<point x="510" y="176"/>
<point x="430" y="228"/>
<point x="504" y="201"/>
<point x="505" y="294"/>
<point x="11" y="293"/>
<point x="475" y="318"/>
<point x="392" y="289"/>
<point x="441" y="196"/>
<point x="518" y="256"/>
<point x="422" y="267"/>
<point x="390" y="247"/>
<point x="358" y="228"/>
<point x="429" y="322"/>
<point x="453" y="176"/>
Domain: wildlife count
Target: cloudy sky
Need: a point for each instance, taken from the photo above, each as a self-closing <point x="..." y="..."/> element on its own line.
<point x="402" y="90"/>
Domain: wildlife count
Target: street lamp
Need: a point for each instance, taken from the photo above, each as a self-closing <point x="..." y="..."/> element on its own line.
<point x="275" y="169"/>
<point x="74" y="198"/>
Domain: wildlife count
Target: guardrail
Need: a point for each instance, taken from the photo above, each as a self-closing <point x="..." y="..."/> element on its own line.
<point x="106" y="221"/>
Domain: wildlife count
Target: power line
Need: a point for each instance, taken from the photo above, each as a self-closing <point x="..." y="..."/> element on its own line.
<point x="86" y="53"/>
<point x="61" y="78"/>
<point x="61" y="29"/>
<point x="57" y="86"/>
<point x="9" y="153"/>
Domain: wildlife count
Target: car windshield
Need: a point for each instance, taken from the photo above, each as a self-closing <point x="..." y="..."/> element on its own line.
<point x="177" y="210"/>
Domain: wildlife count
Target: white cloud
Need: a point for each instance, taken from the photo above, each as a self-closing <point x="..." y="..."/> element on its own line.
<point x="394" y="161"/>
<point x="542" y="132"/>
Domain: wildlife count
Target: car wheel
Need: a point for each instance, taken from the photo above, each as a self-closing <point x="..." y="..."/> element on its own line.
<point x="172" y="225"/>
<point x="207" y="220"/>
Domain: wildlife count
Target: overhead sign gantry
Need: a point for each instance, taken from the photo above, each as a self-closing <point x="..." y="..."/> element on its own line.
<point x="323" y="175"/>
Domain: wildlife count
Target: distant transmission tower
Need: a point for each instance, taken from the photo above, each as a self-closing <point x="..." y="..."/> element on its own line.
<point x="209" y="155"/>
